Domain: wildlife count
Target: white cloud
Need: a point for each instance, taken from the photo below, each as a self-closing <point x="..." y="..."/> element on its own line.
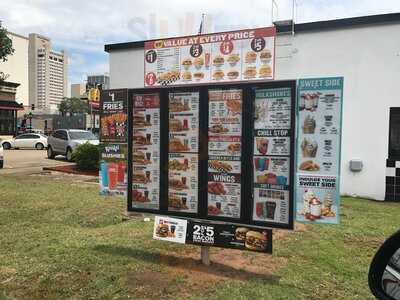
<point x="83" y="27"/>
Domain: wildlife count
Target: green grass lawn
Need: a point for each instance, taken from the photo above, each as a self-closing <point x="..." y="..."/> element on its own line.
<point x="59" y="239"/>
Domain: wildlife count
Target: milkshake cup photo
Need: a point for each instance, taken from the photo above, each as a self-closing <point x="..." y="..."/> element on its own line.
<point x="271" y="207"/>
<point x="262" y="164"/>
<point x="104" y="174"/>
<point x="257" y="163"/>
<point x="148" y="175"/>
<point x="148" y="138"/>
<point x="121" y="172"/>
<point x="112" y="175"/>
<point x="259" y="209"/>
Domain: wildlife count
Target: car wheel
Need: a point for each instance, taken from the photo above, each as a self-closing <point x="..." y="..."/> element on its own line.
<point x="6" y="145"/>
<point x="39" y="146"/>
<point x="68" y="155"/>
<point x="50" y="152"/>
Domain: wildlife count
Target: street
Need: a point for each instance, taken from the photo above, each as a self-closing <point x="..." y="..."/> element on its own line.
<point x="28" y="161"/>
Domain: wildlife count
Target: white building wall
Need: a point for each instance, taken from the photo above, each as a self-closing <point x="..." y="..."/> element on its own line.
<point x="17" y="67"/>
<point x="368" y="58"/>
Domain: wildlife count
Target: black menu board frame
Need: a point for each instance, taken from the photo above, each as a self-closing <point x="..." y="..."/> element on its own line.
<point x="247" y="199"/>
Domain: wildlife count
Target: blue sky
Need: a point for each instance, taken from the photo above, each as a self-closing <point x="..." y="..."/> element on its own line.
<point x="81" y="28"/>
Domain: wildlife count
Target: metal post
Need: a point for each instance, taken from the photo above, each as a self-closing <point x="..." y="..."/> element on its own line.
<point x="15" y="115"/>
<point x="205" y="255"/>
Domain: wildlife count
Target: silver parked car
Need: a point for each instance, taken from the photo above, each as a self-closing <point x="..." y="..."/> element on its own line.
<point x="65" y="141"/>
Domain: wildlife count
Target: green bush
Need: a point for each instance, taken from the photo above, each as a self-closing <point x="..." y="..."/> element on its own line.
<point x="86" y="157"/>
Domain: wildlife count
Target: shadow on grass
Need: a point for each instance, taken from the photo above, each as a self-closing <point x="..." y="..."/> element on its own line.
<point x="188" y="264"/>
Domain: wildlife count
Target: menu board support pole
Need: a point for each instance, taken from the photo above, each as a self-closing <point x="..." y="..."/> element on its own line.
<point x="205" y="255"/>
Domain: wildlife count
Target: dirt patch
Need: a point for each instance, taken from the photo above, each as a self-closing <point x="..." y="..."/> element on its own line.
<point x="61" y="176"/>
<point x="72" y="169"/>
<point x="363" y="241"/>
<point x="184" y="272"/>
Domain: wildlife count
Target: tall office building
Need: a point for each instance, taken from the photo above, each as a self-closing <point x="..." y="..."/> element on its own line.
<point x="95" y="80"/>
<point x="48" y="74"/>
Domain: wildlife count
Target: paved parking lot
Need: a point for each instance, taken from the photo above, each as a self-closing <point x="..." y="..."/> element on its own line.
<point x="28" y="161"/>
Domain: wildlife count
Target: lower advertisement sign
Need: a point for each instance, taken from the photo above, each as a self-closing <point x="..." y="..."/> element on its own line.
<point x="113" y="170"/>
<point x="170" y="229"/>
<point x="212" y="234"/>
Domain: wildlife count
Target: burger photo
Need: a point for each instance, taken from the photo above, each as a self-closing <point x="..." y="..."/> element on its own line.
<point x="139" y="157"/>
<point x="251" y="57"/>
<point x="250" y="72"/>
<point x="175" y="125"/>
<point x="139" y="177"/>
<point x="265" y="71"/>
<point x="187" y="76"/>
<point x="233" y="74"/>
<point x="233" y="59"/>
<point x="198" y="75"/>
<point x="240" y="233"/>
<point x="162" y="230"/>
<point x="139" y="119"/>
<point x="218" y="75"/>
<point x="186" y="63"/>
<point x="265" y="56"/>
<point x="218" y="60"/>
<point x="256" y="241"/>
<point x="139" y="139"/>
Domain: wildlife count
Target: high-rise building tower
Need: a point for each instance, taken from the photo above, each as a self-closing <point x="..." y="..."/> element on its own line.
<point x="48" y="74"/>
<point x="99" y="79"/>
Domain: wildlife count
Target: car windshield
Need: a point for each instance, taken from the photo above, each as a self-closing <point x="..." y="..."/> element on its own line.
<point x="82" y="135"/>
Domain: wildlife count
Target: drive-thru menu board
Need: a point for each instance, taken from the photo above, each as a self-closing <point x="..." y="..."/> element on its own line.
<point x="318" y="163"/>
<point x="271" y="161"/>
<point x="224" y="152"/>
<point x="146" y="151"/>
<point x="221" y="57"/>
<point x="183" y="152"/>
<point x="214" y="154"/>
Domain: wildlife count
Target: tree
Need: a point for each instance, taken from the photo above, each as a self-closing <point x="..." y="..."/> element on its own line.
<point x="6" y="47"/>
<point x="72" y="106"/>
<point x="63" y="107"/>
<point x="78" y="106"/>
